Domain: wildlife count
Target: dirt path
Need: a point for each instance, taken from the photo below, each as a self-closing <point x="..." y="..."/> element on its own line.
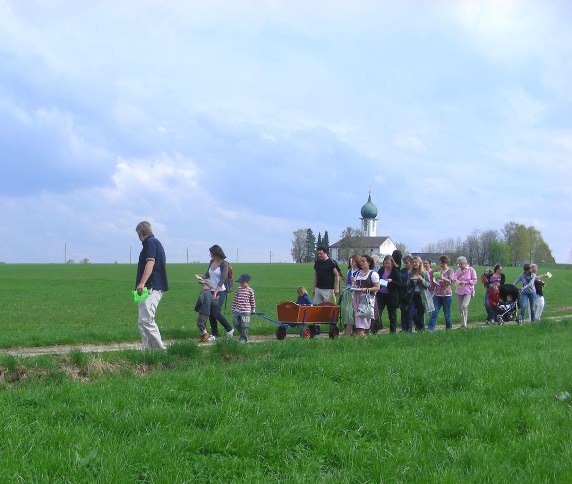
<point x="102" y="348"/>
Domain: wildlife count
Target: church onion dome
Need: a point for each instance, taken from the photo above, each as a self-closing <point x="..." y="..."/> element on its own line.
<point x="369" y="210"/>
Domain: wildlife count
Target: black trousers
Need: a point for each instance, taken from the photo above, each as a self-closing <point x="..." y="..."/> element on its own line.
<point x="216" y="315"/>
<point x="384" y="301"/>
<point x="416" y="313"/>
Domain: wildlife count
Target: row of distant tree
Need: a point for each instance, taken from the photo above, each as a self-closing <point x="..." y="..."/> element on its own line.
<point x="513" y="245"/>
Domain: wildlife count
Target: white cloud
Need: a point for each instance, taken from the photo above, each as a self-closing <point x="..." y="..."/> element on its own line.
<point x="564" y="140"/>
<point x="505" y="29"/>
<point x="162" y="176"/>
<point x="522" y="108"/>
<point x="409" y="142"/>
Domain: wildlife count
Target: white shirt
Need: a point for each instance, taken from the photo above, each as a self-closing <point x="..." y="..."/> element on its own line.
<point x="214" y="276"/>
<point x="374" y="278"/>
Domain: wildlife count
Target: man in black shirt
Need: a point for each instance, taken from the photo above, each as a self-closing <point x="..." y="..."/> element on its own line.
<point x="326" y="277"/>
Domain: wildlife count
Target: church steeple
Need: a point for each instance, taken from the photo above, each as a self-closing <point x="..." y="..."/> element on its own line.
<point x="368" y="220"/>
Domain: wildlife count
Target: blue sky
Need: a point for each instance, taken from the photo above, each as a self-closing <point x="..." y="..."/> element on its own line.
<point x="239" y="122"/>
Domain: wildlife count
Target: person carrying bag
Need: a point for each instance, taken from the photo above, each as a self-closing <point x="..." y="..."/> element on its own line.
<point x="365" y="285"/>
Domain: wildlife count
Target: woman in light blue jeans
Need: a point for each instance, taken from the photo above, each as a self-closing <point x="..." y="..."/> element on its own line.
<point x="528" y="293"/>
<point x="442" y="295"/>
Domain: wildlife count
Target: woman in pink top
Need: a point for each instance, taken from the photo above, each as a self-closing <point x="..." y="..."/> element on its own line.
<point x="465" y="279"/>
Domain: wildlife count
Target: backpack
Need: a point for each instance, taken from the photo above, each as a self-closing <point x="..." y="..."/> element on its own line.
<point x="229" y="280"/>
<point x="337" y="267"/>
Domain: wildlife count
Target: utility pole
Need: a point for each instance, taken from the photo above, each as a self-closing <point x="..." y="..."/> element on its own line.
<point x="237" y="254"/>
<point x="271" y="257"/>
<point x="65" y="252"/>
<point x="187" y="254"/>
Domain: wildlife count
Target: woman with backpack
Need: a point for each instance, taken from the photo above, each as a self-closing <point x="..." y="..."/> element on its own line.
<point x="218" y="274"/>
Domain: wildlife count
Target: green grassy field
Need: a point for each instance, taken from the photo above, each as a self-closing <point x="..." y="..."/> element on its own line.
<point x="90" y="303"/>
<point x="488" y="405"/>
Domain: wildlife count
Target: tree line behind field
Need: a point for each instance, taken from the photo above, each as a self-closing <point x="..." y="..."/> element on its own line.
<point x="513" y="245"/>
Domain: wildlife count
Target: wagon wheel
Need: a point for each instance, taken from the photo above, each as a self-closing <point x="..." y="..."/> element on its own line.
<point x="334" y="332"/>
<point x="314" y="330"/>
<point x="281" y="332"/>
<point x="306" y="333"/>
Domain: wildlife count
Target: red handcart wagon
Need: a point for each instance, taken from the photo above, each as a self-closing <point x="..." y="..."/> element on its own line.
<point x="305" y="320"/>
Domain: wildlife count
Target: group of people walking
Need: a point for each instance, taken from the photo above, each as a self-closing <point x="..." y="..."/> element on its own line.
<point x="406" y="283"/>
<point x="417" y="290"/>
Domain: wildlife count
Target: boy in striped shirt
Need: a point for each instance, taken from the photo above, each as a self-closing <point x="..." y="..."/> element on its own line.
<point x="243" y="305"/>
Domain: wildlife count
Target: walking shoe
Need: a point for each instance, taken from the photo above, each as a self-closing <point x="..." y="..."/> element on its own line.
<point x="204" y="338"/>
<point x="230" y="333"/>
<point x="212" y="337"/>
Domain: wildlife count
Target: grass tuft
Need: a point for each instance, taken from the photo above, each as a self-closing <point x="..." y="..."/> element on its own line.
<point x="185" y="349"/>
<point x="229" y="350"/>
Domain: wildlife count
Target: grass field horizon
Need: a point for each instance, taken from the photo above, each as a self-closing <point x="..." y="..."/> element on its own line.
<point x="50" y="304"/>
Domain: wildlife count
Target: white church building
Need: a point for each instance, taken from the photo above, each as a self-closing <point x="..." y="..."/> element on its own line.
<point x="373" y="244"/>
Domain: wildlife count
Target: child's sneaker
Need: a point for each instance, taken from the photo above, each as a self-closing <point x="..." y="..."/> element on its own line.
<point x="212" y="337"/>
<point x="230" y="333"/>
<point x="204" y="338"/>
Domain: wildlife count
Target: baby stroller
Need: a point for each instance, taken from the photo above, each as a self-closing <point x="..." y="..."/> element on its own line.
<point x="507" y="307"/>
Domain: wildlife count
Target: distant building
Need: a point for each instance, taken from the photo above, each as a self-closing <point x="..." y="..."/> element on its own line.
<point x="373" y="244"/>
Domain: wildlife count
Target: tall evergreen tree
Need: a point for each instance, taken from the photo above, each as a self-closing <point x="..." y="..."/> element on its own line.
<point x="319" y="242"/>
<point x="309" y="246"/>
<point x="326" y="241"/>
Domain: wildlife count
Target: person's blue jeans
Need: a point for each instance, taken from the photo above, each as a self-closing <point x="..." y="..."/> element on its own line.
<point x="527" y="298"/>
<point x="488" y="309"/>
<point x="445" y="303"/>
<point x="216" y="315"/>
